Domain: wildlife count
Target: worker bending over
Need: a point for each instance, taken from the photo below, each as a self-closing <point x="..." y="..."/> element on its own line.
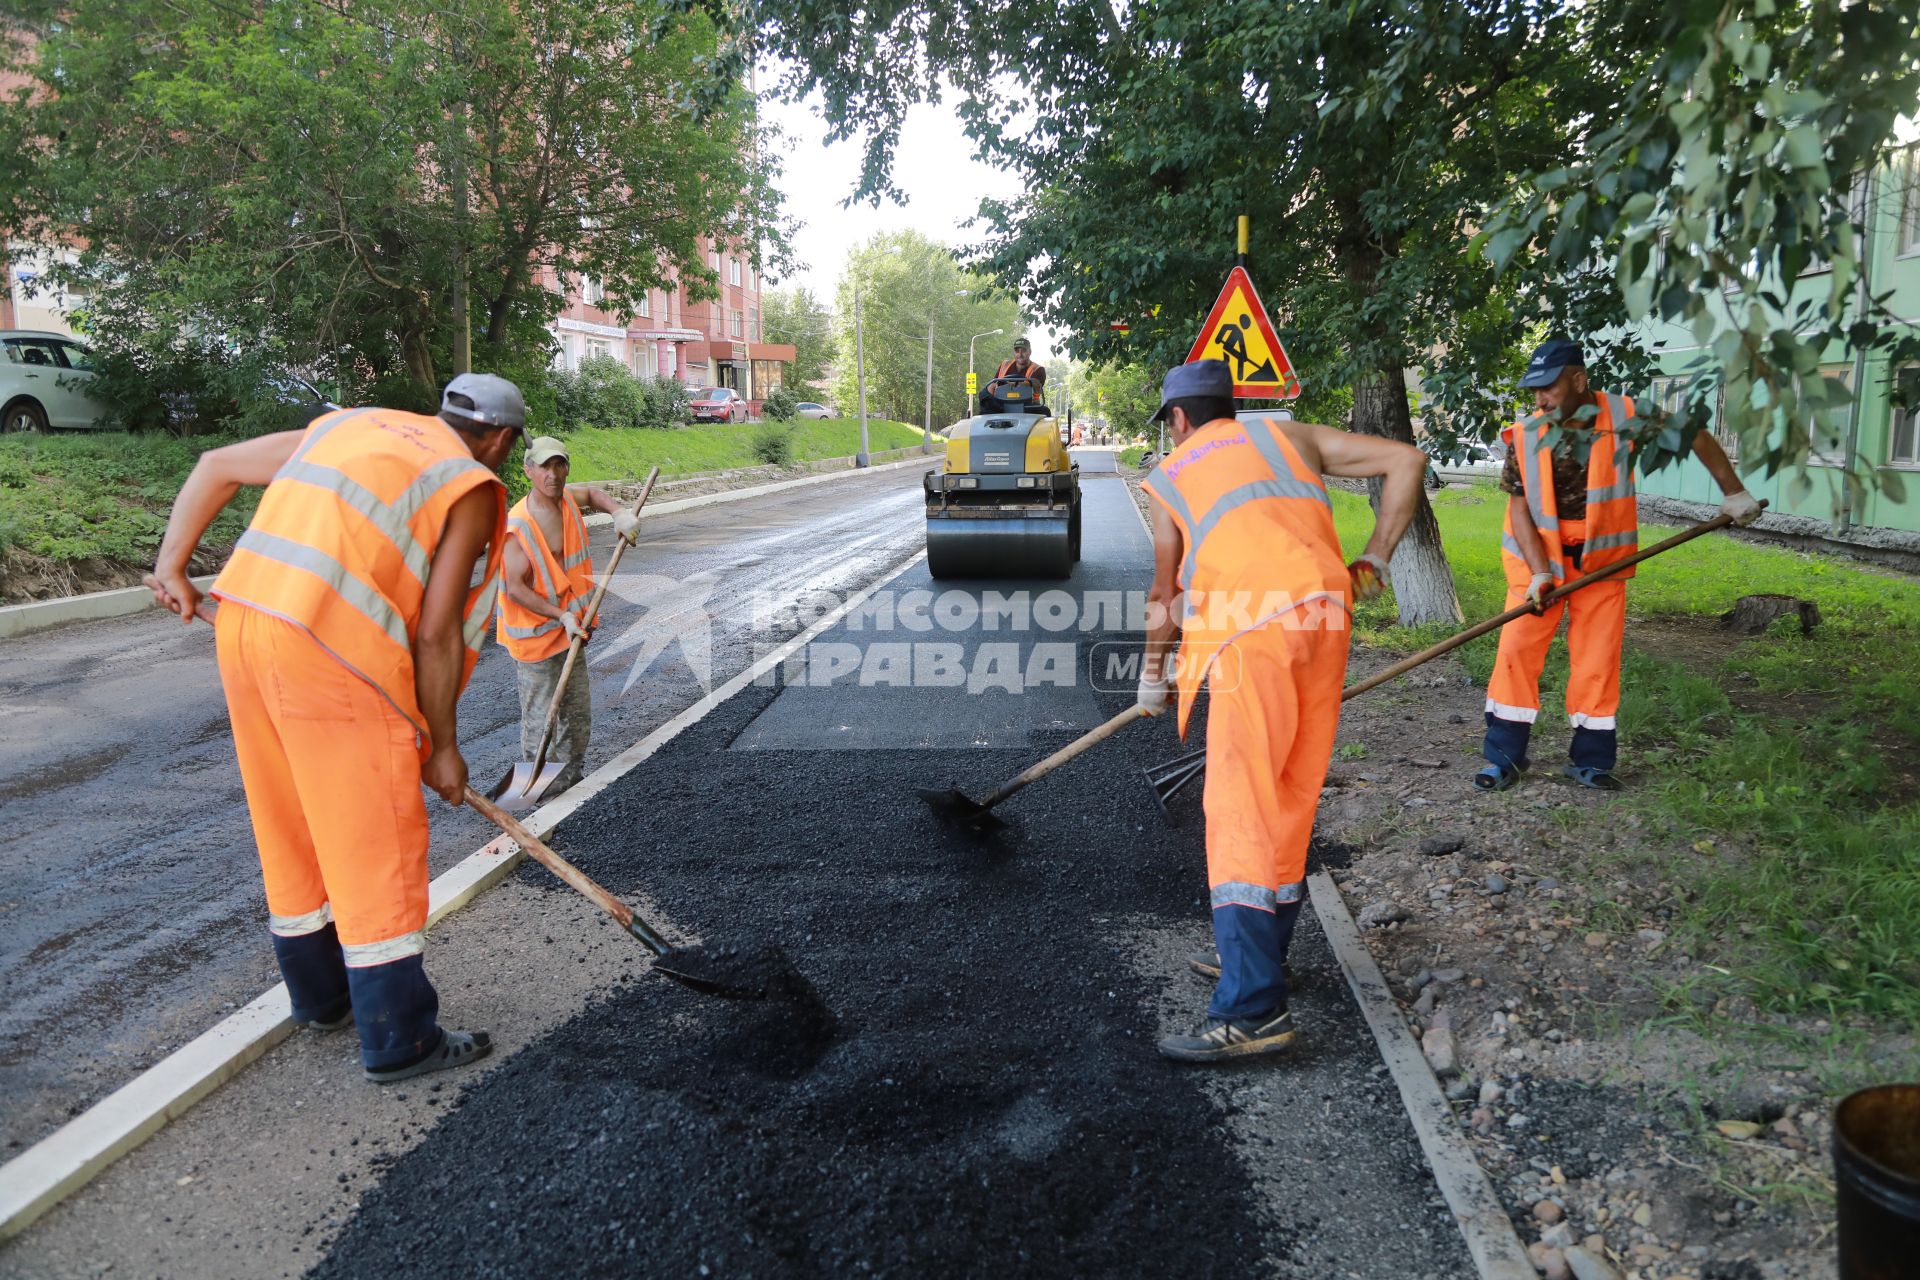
<point x="1022" y="366"/>
<point x="1572" y="510"/>
<point x="352" y="613"/>
<point x="544" y="595"/>
<point x="1244" y="549"/>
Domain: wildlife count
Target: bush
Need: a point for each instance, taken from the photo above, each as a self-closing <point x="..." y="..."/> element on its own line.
<point x="667" y="403"/>
<point x="773" y="444"/>
<point x="780" y="405"/>
<point x="600" y="393"/>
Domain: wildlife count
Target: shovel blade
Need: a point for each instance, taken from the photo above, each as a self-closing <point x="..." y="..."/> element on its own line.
<point x="961" y="811"/>
<point x="750" y="973"/>
<point x="522" y="788"/>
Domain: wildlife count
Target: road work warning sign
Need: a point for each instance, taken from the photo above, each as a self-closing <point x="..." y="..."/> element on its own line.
<point x="1239" y="332"/>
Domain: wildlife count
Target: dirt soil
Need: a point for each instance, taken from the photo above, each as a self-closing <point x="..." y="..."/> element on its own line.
<point x="1480" y="907"/>
<point x="987" y="1099"/>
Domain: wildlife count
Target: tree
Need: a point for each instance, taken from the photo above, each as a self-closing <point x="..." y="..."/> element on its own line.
<point x="1366" y="139"/>
<point x="907" y="280"/>
<point x="796" y="316"/>
<point x="289" y="177"/>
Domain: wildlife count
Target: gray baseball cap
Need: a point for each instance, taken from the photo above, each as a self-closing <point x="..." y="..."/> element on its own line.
<point x="488" y="398"/>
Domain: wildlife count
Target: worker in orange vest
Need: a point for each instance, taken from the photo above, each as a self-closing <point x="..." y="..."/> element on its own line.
<point x="1571" y="509"/>
<point x="1248" y="572"/>
<point x="543" y="600"/>
<point x="352" y="612"/>
<point x="1022" y="366"/>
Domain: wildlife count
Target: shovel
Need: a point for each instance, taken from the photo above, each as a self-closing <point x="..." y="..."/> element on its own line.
<point x="1170" y="777"/>
<point x="525" y="784"/>
<point x="752" y="977"/>
<point x="958" y="810"/>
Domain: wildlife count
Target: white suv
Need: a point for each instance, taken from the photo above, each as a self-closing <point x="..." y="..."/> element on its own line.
<point x="44" y="381"/>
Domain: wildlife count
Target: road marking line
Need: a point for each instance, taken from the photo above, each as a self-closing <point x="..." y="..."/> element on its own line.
<point x="80" y="1150"/>
<point x="1489" y="1233"/>
<point x="41" y="615"/>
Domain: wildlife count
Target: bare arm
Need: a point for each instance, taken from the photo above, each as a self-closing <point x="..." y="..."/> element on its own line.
<point x="215" y="478"/>
<point x="1718" y="464"/>
<point x="439" y="648"/>
<point x="1163" y="623"/>
<point x="517" y="581"/>
<point x="591" y="497"/>
<point x="1401" y="469"/>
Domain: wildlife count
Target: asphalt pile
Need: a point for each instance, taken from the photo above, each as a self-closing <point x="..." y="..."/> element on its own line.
<point x="984" y="1096"/>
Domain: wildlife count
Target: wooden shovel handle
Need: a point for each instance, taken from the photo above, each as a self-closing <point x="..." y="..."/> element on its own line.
<point x="587" y="886"/>
<point x="1092" y="737"/>
<point x="593" y="612"/>
<point x="1561" y="592"/>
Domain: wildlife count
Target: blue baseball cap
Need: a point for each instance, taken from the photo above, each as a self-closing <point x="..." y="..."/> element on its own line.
<point x="1549" y="358"/>
<point x="1201" y="378"/>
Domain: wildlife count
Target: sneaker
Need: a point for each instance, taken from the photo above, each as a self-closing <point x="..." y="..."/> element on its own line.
<point x="457" y="1049"/>
<point x="1216" y="1039"/>
<point x="1206" y="963"/>
<point x="340" y="1023"/>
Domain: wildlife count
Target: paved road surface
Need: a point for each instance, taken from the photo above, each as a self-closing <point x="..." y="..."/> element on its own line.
<point x="131" y="917"/>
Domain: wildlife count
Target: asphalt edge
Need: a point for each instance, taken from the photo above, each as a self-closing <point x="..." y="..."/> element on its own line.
<point x="1491" y="1240"/>
<point x="42" y="615"/>
<point x="77" y="1152"/>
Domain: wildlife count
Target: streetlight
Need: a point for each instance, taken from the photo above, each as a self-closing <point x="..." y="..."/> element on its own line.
<point x="971" y="399"/>
<point x="926" y="427"/>
<point x="863" y="458"/>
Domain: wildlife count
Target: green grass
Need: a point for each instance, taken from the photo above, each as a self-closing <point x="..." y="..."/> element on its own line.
<point x="103" y="495"/>
<point x="1784" y="771"/>
<point x="601" y="454"/>
<point x="1131" y="455"/>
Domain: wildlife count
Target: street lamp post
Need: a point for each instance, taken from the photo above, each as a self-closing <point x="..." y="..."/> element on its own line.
<point x="972" y="400"/>
<point x="926" y="426"/>
<point x="864" y="458"/>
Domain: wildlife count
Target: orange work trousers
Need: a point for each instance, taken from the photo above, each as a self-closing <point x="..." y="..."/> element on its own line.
<point x="1596" y="622"/>
<point x="332" y="772"/>
<point x="1269" y="739"/>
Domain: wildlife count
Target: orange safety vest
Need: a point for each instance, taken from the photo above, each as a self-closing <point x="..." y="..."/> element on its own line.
<point x="1611" y="530"/>
<point x="1258" y="529"/>
<point x="1013" y="368"/>
<point x="345" y="536"/>
<point x="565" y="580"/>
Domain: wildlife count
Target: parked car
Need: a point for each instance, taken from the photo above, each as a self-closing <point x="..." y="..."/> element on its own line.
<point x="44" y="380"/>
<point x="295" y="403"/>
<point x="808" y="409"/>
<point x="719" y="404"/>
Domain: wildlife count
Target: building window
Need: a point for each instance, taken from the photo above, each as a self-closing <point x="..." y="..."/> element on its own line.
<point x="1828" y="447"/>
<point x="1904" y="451"/>
<point x="733" y="270"/>
<point x="713" y="260"/>
<point x="739" y="323"/>
<point x="646" y="361"/>
<point x="599" y="349"/>
<point x="753" y="325"/>
<point x="1907" y="172"/>
<point x="592" y="292"/>
<point x="643" y="305"/>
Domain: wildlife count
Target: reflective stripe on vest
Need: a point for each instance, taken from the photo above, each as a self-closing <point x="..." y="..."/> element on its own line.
<point x="295" y="555"/>
<point x="1612" y="523"/>
<point x="560" y="576"/>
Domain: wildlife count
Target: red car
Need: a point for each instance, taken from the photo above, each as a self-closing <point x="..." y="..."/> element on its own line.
<point x="719" y="404"/>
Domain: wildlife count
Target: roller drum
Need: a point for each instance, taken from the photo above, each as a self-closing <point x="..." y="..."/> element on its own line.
<point x="1000" y="547"/>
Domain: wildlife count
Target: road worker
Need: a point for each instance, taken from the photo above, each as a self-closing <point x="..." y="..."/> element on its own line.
<point x="1021" y="365"/>
<point x="1571" y="509"/>
<point x="1248" y="571"/>
<point x="543" y="604"/>
<point x="352" y="612"/>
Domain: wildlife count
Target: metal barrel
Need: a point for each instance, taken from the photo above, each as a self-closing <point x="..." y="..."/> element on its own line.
<point x="1876" y="1167"/>
<point x="999" y="547"/>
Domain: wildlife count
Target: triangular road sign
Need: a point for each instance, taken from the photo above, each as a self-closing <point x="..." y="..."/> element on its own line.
<point x="1239" y="332"/>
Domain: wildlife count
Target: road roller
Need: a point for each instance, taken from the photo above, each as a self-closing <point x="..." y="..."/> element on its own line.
<point x="1007" y="502"/>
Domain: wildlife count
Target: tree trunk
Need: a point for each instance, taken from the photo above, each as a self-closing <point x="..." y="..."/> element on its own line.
<point x="1422" y="579"/>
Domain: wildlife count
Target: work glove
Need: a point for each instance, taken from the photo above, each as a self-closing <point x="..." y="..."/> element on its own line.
<point x="626" y="524"/>
<point x="575" y="629"/>
<point x="1742" y="506"/>
<point x="1368" y="576"/>
<point x="1537" y="590"/>
<point x="1154" y="696"/>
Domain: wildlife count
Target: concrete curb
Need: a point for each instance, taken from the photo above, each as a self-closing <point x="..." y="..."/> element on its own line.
<point x="41" y="615"/>
<point x="77" y="1152"/>
<point x="1491" y="1240"/>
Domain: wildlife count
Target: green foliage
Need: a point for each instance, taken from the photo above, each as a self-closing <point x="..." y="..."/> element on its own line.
<point x="772" y="443"/>
<point x="599" y="393"/>
<point x="907" y="280"/>
<point x="1738" y="160"/>
<point x="599" y="454"/>
<point x="270" y="185"/>
<point x="796" y="316"/>
<point x="779" y="405"/>
<point x="1126" y="395"/>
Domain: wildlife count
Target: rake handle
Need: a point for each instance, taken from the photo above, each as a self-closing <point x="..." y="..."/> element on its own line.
<point x="579" y="880"/>
<point x="1561" y="592"/>
<point x="573" y="650"/>
<point x="1093" y="737"/>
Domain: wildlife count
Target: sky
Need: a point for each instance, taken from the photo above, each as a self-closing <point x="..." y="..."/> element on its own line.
<point x="934" y="167"/>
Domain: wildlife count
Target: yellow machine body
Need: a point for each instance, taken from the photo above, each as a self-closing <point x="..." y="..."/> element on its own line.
<point x="1007" y="502"/>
